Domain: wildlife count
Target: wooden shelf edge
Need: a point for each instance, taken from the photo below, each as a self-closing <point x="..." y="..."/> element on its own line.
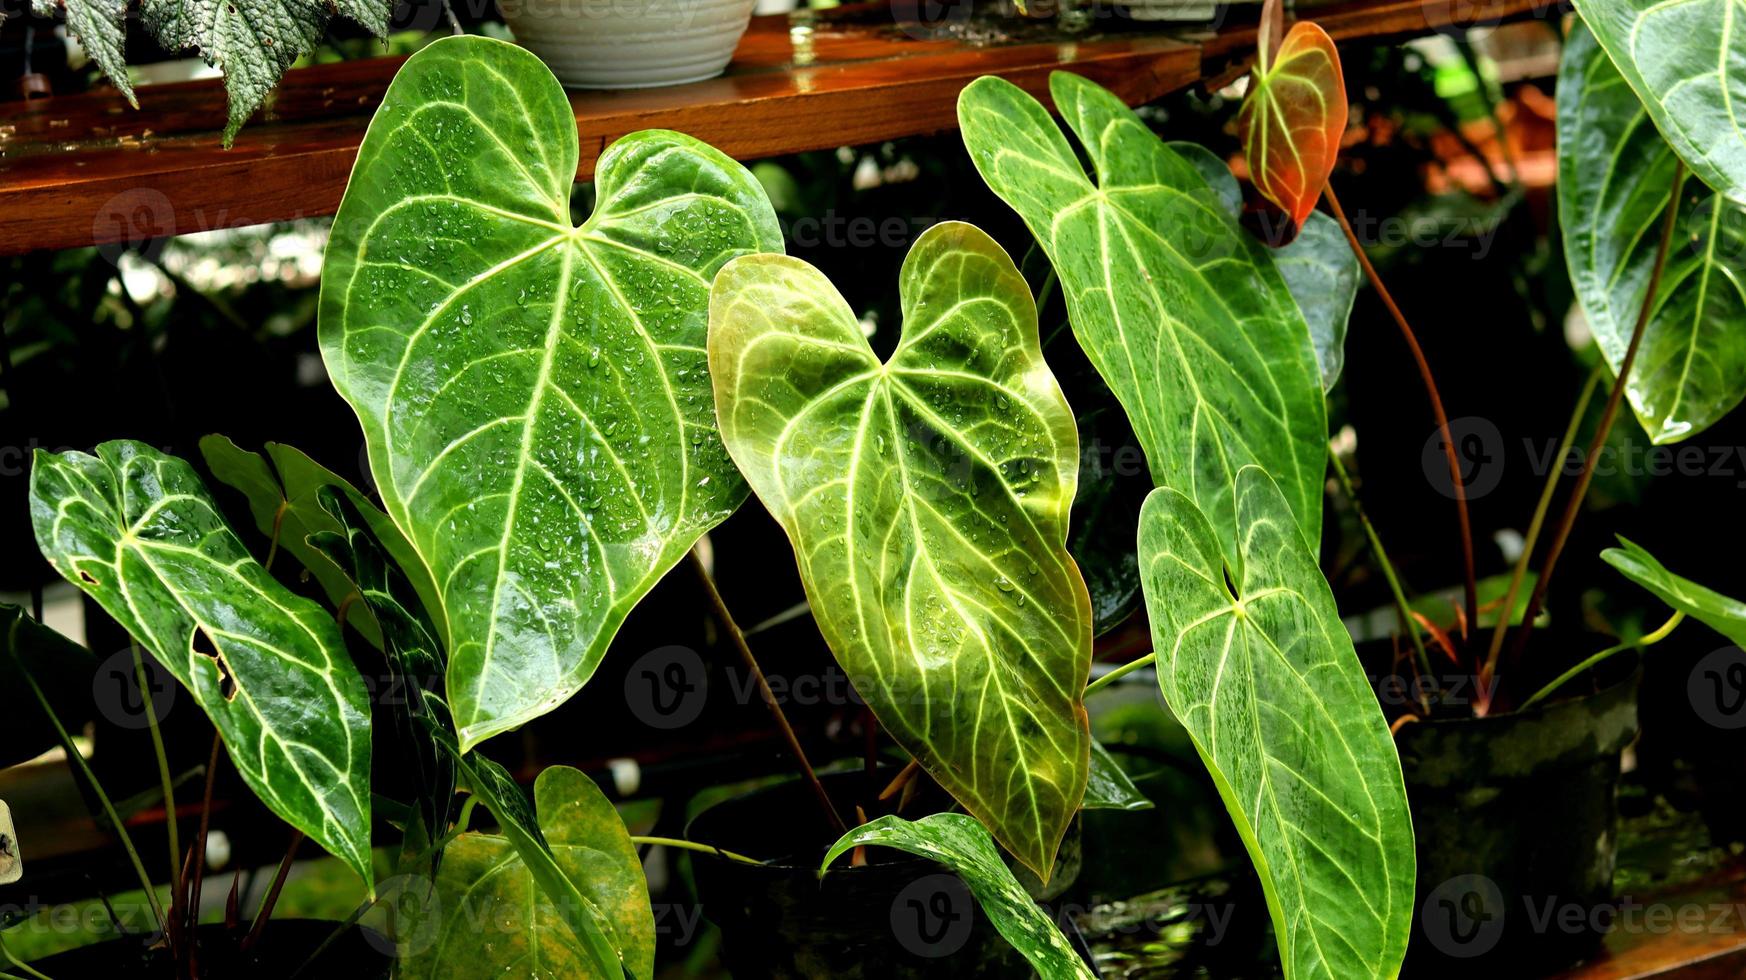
<point x="84" y="169"/>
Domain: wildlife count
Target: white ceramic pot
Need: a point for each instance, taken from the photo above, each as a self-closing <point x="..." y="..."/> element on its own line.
<point x="629" y="43"/>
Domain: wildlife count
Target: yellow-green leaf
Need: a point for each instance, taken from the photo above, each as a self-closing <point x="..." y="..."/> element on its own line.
<point x="927" y="499"/>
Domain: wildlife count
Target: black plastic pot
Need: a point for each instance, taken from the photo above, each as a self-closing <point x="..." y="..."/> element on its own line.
<point x="358" y="953"/>
<point x="897" y="917"/>
<point x="1516" y="819"/>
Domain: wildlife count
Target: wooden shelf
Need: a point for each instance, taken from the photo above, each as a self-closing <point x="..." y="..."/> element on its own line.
<point x="88" y="169"/>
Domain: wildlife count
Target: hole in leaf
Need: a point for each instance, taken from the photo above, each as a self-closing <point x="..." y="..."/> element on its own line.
<point x="85" y="577"/>
<point x="1231" y="583"/>
<point x="202" y="644"/>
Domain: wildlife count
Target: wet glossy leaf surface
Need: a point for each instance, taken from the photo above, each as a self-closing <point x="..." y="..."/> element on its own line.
<point x="1262" y="673"/>
<point x="962" y="844"/>
<point x="1183" y="313"/>
<point x="1109" y="787"/>
<point x="1686" y="60"/>
<point x="1615" y="179"/>
<point x="927" y="501"/>
<point x="535" y="395"/>
<point x="139" y="532"/>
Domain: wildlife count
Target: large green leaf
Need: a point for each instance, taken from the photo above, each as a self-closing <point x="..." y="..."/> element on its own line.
<point x="62" y="669"/>
<point x="1318" y="265"/>
<point x="1180" y="309"/>
<point x="1724" y="615"/>
<point x="1686" y="60"/>
<point x="535" y="395"/>
<point x="1256" y="664"/>
<point x="487" y="915"/>
<point x="927" y="500"/>
<point x="282" y="489"/>
<point x="962" y="844"/>
<point x="1615" y="180"/>
<point x="138" y="531"/>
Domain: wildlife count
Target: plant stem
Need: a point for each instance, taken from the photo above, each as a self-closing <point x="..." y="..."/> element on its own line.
<point x="1388" y="572"/>
<point x="15" y="961"/>
<point x="200" y="858"/>
<point x="1119" y="672"/>
<point x="899" y="781"/>
<point x="738" y="639"/>
<point x="1565" y="678"/>
<point x="272" y="899"/>
<point x="1573" y="506"/>
<point x="1470" y="582"/>
<point x="78" y="761"/>
<point x="1533" y="536"/>
<point x="686" y="845"/>
<point x="165" y="779"/>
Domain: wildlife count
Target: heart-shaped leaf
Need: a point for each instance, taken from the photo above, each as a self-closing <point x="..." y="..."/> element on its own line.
<point x="535" y="395"/>
<point x="1615" y="181"/>
<point x="1292" y="119"/>
<point x="1256" y="664"/>
<point x="484" y="883"/>
<point x="282" y="488"/>
<point x="137" y="530"/>
<point x="962" y="844"/>
<point x="927" y="500"/>
<point x="1183" y="313"/>
<point x="1686" y="60"/>
<point x="1719" y="612"/>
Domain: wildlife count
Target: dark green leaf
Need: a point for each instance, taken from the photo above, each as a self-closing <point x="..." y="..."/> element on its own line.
<point x="138" y="531"/>
<point x="1318" y="265"/>
<point x="962" y="844"/>
<point x="414" y="657"/>
<point x="283" y="493"/>
<point x="485" y="880"/>
<point x="1615" y="179"/>
<point x="1722" y="614"/>
<point x="1256" y="664"/>
<point x="1686" y="60"/>
<point x="1180" y="309"/>
<point x="64" y="671"/>
<point x="535" y="395"/>
<point x="927" y="499"/>
<point x="1109" y="787"/>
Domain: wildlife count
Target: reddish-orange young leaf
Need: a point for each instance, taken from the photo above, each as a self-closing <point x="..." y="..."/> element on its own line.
<point x="1293" y="117"/>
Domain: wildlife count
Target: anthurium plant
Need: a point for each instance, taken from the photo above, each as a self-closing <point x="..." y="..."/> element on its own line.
<point x="556" y="413"/>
